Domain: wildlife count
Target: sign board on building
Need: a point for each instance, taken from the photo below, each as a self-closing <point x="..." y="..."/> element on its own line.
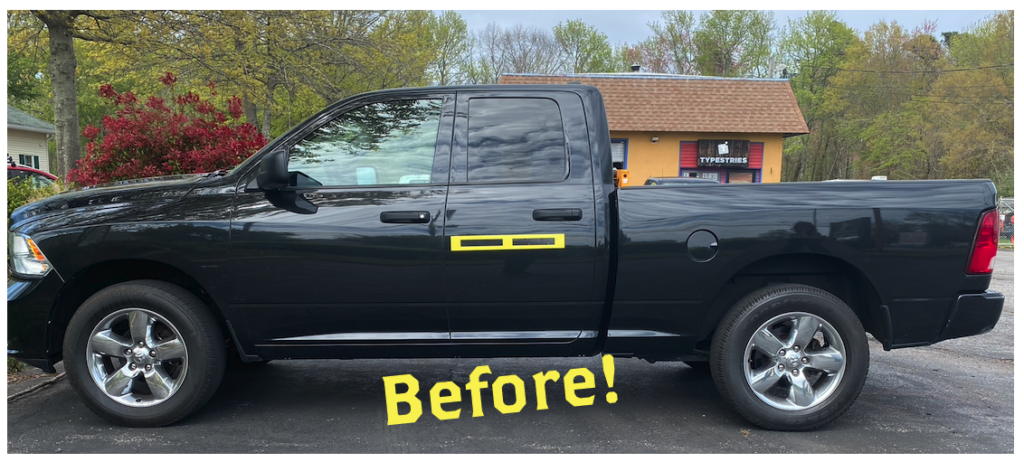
<point x="723" y="153"/>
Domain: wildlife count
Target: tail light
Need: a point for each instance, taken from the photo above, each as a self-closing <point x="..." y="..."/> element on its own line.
<point x="986" y="241"/>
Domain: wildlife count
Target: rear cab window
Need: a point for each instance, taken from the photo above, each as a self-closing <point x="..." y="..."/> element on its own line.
<point x="515" y="140"/>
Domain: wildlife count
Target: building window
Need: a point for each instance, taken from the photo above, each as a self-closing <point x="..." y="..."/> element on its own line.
<point x="741" y="176"/>
<point x="28" y="161"/>
<point x="619" y="153"/>
<point x="702" y="174"/>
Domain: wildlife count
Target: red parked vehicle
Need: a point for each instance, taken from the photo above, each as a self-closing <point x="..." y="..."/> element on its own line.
<point x="38" y="177"/>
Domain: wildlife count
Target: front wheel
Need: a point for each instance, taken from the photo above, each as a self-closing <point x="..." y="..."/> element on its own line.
<point x="790" y="357"/>
<point x="144" y="353"/>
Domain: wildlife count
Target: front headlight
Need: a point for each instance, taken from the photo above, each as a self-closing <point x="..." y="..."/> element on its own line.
<point x="25" y="257"/>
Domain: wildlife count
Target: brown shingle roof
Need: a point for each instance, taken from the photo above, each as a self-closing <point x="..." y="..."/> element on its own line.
<point x="670" y="103"/>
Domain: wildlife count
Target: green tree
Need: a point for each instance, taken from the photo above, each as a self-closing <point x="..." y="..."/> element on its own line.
<point x="725" y="43"/>
<point x="22" y="81"/>
<point x="730" y="43"/>
<point x="582" y="47"/>
<point x="973" y="109"/>
<point x="676" y="36"/>
<point x="812" y="49"/>
<point x="760" y="49"/>
<point x="882" y="103"/>
<point x="903" y="104"/>
<point x="62" y="29"/>
<point x="453" y="46"/>
<point x="286" y="64"/>
<point x="652" y="55"/>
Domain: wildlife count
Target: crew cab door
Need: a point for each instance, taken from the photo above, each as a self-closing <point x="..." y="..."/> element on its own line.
<point x="520" y="225"/>
<point x="350" y="256"/>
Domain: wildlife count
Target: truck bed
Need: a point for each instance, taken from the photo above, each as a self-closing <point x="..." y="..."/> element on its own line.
<point x="908" y="241"/>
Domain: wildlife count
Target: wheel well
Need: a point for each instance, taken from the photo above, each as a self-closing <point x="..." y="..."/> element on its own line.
<point x="830" y="274"/>
<point x="97" y="277"/>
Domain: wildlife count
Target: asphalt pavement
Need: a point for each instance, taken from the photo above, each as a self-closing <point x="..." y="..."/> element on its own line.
<point x="952" y="397"/>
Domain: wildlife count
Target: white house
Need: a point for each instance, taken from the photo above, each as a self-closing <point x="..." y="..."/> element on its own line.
<point x="26" y="139"/>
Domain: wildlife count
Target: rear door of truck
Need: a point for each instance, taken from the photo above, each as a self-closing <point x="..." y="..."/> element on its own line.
<point x="520" y="225"/>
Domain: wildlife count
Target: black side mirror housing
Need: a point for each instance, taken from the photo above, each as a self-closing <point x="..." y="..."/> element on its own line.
<point x="273" y="174"/>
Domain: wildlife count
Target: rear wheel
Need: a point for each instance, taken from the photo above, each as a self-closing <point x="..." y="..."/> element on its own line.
<point x="790" y="357"/>
<point x="144" y="353"/>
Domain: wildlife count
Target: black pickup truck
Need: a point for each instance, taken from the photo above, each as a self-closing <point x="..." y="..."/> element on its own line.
<point x="483" y="222"/>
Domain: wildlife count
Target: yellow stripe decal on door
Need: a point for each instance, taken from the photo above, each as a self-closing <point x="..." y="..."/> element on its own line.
<point x="508" y="242"/>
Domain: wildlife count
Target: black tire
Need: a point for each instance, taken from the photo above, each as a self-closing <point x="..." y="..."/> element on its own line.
<point x="197" y="327"/>
<point x="729" y="355"/>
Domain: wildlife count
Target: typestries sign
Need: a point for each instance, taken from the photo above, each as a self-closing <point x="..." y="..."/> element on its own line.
<point x="723" y="153"/>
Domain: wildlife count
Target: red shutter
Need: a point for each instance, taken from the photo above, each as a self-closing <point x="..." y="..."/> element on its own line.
<point x="756" y="155"/>
<point x="688" y="154"/>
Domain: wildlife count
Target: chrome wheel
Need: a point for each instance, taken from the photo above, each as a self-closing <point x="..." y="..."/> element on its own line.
<point x="794" y="361"/>
<point x="136" y="357"/>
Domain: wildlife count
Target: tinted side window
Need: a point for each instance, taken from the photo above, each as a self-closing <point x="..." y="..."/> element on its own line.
<point x="515" y="140"/>
<point x="386" y="143"/>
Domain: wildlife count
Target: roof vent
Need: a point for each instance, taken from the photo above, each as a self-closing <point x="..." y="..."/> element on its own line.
<point x="635" y="68"/>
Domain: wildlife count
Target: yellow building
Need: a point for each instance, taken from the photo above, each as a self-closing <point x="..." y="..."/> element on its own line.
<point x="725" y="129"/>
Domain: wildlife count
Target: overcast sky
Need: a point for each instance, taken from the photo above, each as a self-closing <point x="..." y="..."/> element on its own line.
<point x="631" y="26"/>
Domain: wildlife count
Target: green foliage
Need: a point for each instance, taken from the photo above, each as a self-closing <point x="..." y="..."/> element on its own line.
<point x="676" y="38"/>
<point x="887" y="101"/>
<point x="22" y="80"/>
<point x="20" y="193"/>
<point x="811" y="51"/>
<point x="733" y="43"/>
<point x="14" y="366"/>
<point x="583" y="47"/>
<point x="452" y="40"/>
<point x="901" y="103"/>
<point x="722" y="43"/>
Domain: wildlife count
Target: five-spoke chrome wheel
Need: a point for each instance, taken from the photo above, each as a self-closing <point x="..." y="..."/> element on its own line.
<point x="137" y="357"/>
<point x="795" y="361"/>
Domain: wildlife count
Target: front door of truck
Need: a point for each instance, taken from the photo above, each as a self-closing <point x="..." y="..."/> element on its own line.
<point x="520" y="225"/>
<point x="350" y="257"/>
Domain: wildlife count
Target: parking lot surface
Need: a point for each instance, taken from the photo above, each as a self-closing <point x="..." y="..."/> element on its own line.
<point x="955" y="396"/>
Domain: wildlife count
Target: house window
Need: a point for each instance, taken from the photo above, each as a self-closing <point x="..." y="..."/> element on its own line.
<point x="619" y="148"/>
<point x="28" y="161"/>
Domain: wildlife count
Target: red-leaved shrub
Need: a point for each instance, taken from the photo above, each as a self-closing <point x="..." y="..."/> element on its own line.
<point x="154" y="138"/>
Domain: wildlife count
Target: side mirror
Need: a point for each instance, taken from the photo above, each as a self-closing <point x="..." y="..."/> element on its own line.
<point x="273" y="174"/>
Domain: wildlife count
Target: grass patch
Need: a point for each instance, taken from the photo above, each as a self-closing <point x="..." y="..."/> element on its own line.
<point x="14" y="366"/>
